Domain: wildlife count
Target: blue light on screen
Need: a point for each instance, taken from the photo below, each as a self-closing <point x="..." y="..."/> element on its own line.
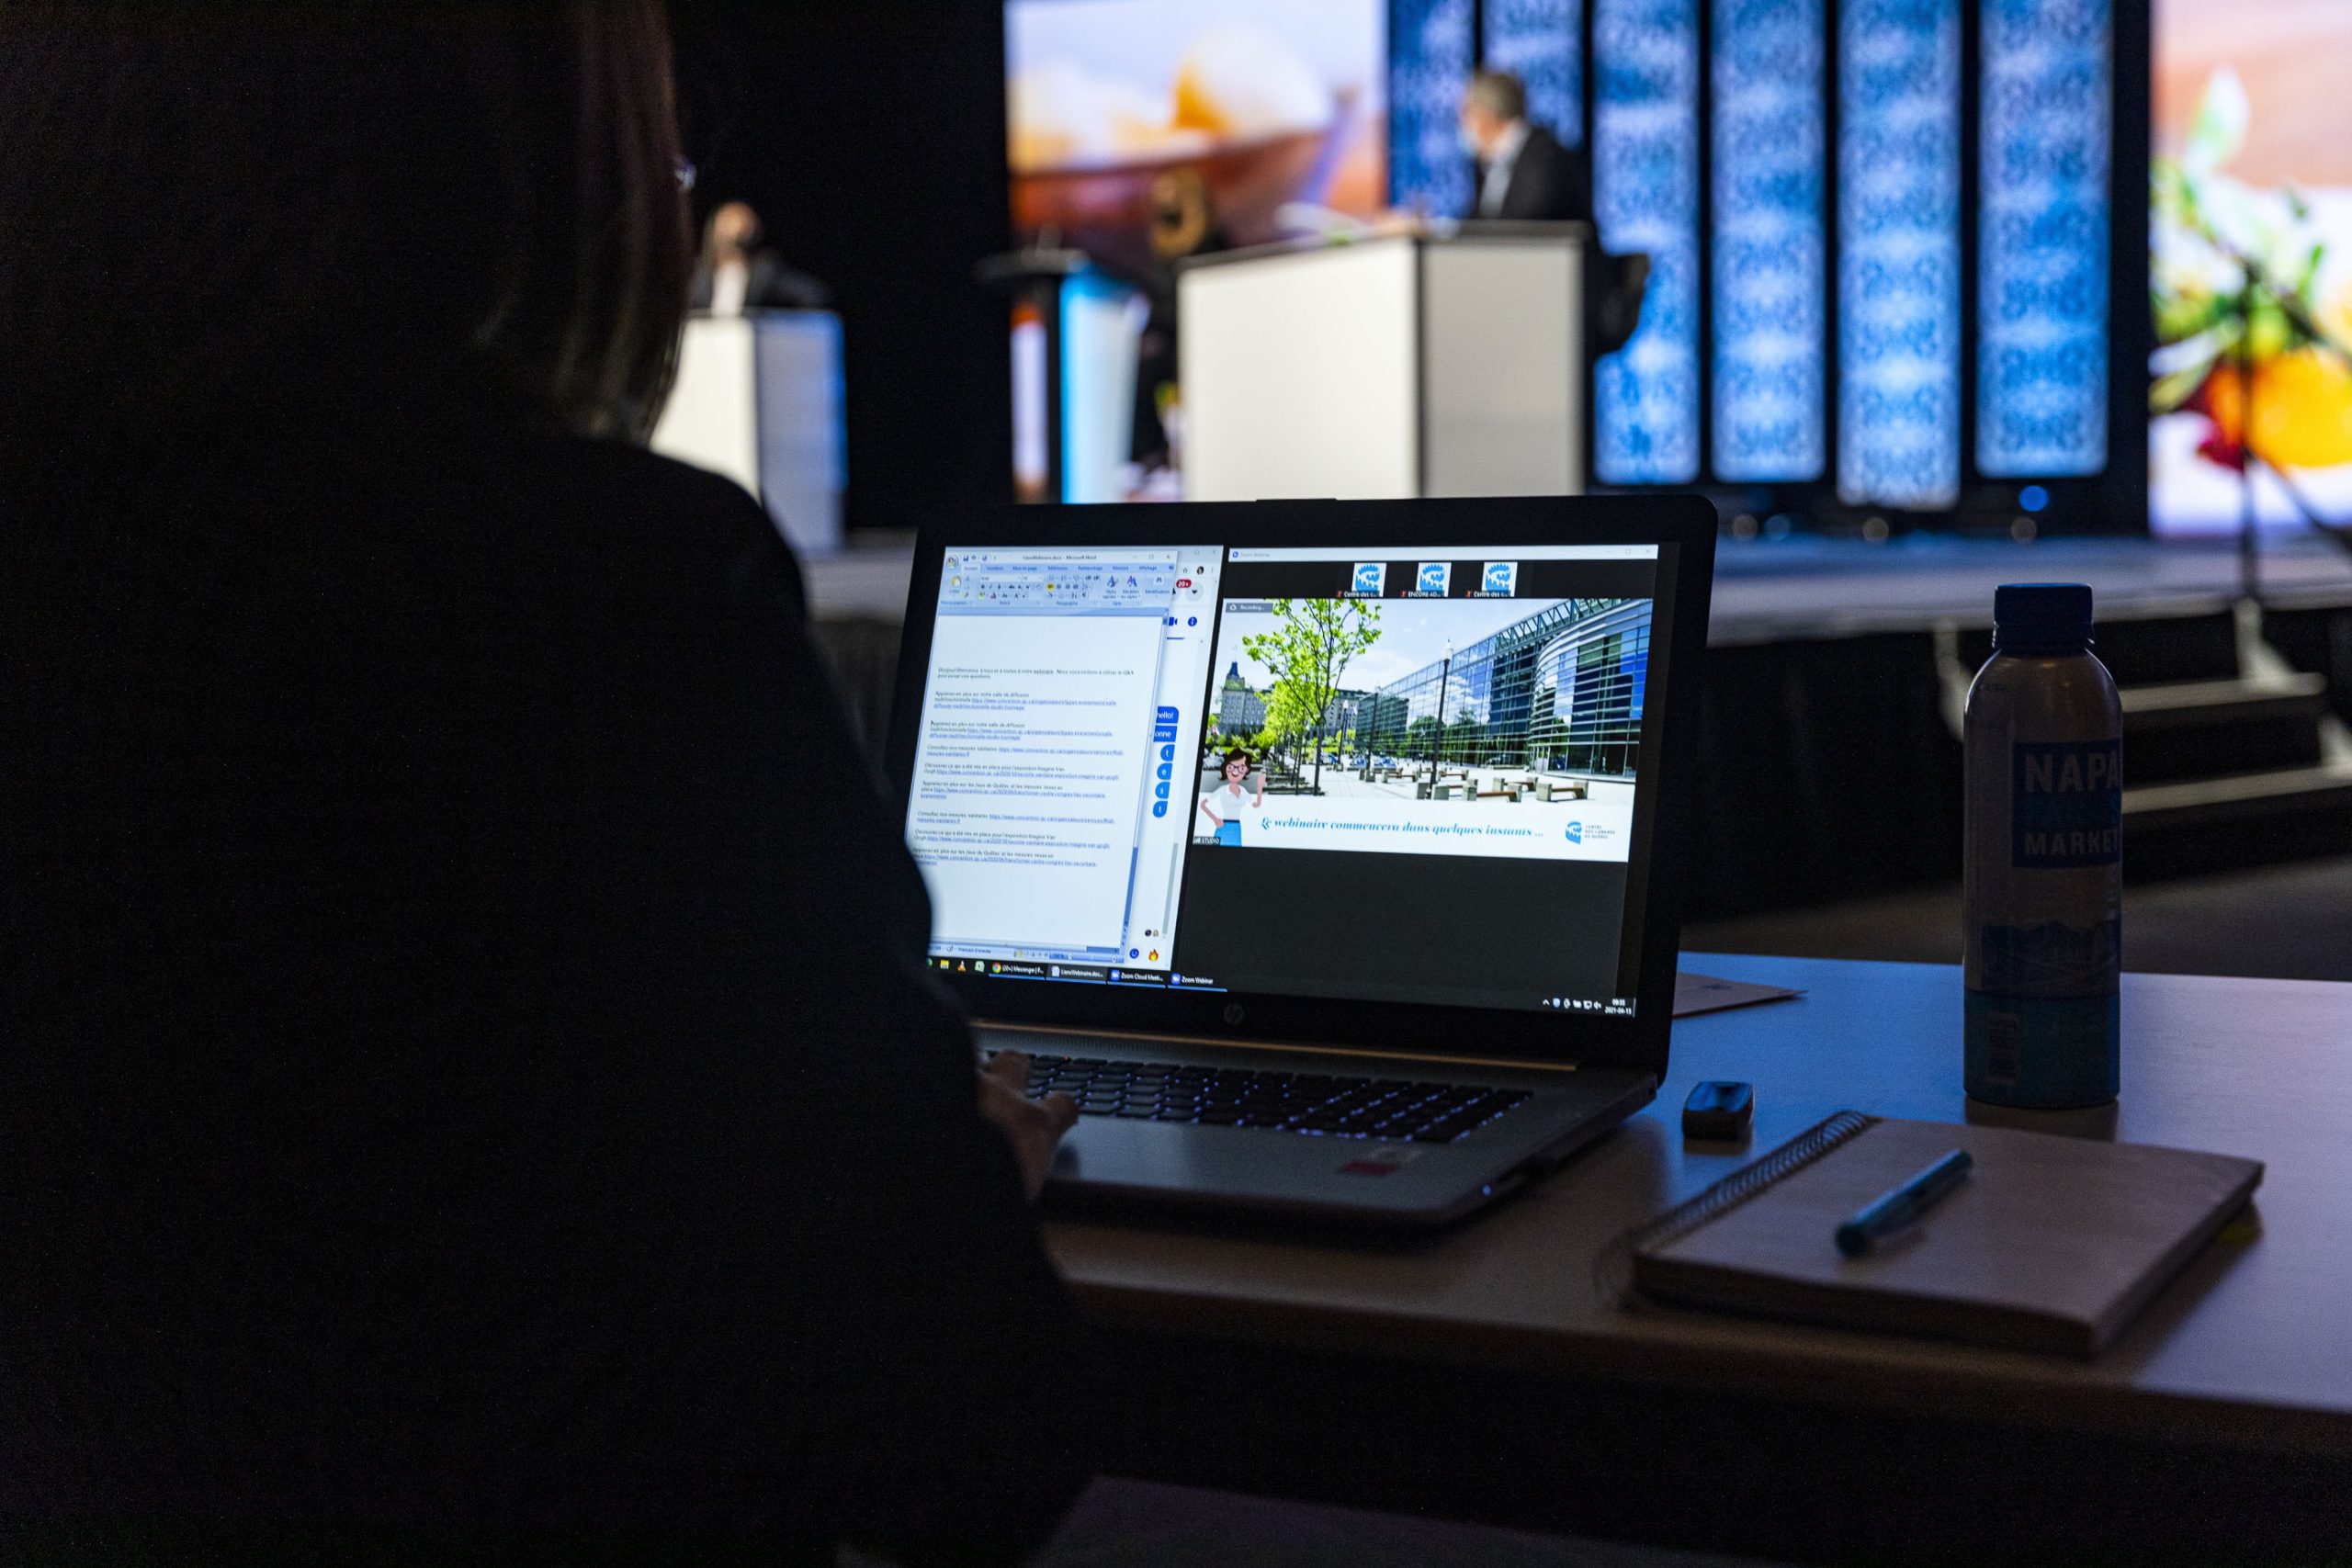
<point x="1769" y="290"/>
<point x="1645" y="197"/>
<point x="1898" y="258"/>
<point x="2042" y="299"/>
<point x="1430" y="59"/>
<point x="1540" y="42"/>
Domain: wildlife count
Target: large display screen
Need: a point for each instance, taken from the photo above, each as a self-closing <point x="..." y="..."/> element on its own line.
<point x="1268" y="101"/>
<point x="2252" y="200"/>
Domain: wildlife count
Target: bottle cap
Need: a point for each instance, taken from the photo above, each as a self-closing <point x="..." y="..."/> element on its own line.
<point x="2041" y="615"/>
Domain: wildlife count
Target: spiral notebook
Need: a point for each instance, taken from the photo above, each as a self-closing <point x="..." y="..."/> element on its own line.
<point x="2053" y="1244"/>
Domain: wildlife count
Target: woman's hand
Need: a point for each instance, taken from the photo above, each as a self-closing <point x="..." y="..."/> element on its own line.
<point x="1032" y="1126"/>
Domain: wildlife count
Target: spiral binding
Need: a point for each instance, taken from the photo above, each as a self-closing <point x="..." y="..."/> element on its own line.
<point x="1612" y="1272"/>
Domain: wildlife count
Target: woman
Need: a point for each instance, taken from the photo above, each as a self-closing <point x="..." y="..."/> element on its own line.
<point x="1224" y="805"/>
<point x="445" y="1108"/>
<point x="736" y="272"/>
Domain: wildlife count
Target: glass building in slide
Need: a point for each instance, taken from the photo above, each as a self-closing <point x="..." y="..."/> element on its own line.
<point x="1558" y="692"/>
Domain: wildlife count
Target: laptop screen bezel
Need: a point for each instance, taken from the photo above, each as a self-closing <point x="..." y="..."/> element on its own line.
<point x="1664" y="805"/>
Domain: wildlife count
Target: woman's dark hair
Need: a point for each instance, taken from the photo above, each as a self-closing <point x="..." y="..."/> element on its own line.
<point x="210" y="210"/>
<point x="1236" y="755"/>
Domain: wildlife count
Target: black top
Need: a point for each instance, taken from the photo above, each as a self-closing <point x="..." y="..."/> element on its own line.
<point x="1549" y="183"/>
<point x="768" y="284"/>
<point x="468" y="1051"/>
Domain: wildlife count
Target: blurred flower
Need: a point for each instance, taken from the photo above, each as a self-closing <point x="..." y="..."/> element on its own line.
<point x="2302" y="408"/>
<point x="2234" y="274"/>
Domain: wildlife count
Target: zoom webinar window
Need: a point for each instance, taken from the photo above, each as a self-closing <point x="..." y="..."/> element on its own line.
<point x="1302" y="771"/>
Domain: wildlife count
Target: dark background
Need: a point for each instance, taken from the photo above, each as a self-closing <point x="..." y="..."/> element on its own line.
<point x="869" y="134"/>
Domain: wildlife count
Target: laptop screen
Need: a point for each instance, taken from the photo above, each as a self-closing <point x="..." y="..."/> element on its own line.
<point x="1399" y="775"/>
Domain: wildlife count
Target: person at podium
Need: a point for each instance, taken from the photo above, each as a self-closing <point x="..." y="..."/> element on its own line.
<point x="1525" y="175"/>
<point x="736" y="272"/>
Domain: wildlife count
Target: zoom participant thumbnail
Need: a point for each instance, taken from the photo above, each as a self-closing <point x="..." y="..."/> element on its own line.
<point x="1423" y="753"/>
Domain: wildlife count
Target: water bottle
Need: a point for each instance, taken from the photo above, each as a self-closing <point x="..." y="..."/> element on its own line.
<point x="2043" y="878"/>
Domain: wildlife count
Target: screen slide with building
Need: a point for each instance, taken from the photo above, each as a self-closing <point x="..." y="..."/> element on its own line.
<point x="1434" y="759"/>
<point x="1435" y="706"/>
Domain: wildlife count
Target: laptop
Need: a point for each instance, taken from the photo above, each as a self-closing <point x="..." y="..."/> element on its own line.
<point x="1329" y="853"/>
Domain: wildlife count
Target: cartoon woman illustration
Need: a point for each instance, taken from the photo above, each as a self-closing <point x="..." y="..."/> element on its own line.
<point x="1223" y="804"/>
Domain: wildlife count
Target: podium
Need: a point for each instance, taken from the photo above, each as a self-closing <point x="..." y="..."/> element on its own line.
<point x="1396" y="367"/>
<point x="1075" y="331"/>
<point x="758" y="398"/>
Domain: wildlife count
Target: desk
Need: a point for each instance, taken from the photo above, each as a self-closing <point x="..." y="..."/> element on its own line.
<point x="1501" y="1386"/>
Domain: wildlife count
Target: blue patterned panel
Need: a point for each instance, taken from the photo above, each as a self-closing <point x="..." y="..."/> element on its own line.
<point x="1898" y="253"/>
<point x="1769" y="124"/>
<point x="1538" y="41"/>
<point x="1429" y="60"/>
<point x="2042" y="302"/>
<point x="1646" y="196"/>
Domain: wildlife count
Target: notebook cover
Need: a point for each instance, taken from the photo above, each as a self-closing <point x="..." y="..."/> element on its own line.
<point x="2053" y="1244"/>
<point x="1695" y="994"/>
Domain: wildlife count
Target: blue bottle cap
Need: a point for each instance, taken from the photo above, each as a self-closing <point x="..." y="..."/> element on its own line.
<point x="2041" y="616"/>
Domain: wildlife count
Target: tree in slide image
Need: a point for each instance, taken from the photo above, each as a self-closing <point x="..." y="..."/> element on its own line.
<point x="1307" y="654"/>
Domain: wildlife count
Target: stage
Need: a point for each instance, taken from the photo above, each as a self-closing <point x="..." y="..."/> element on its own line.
<point x="1771" y="591"/>
<point x="1768" y="591"/>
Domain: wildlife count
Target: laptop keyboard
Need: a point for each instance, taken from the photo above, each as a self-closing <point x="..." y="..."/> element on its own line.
<point x="1385" y="1110"/>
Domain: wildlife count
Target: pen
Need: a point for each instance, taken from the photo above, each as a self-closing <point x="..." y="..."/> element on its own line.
<point x="1898" y="1206"/>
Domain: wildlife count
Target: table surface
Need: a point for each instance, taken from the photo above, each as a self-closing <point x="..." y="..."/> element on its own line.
<point x="2248" y="1349"/>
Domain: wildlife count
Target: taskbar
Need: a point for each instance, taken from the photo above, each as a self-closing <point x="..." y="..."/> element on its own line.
<point x="1074" y="973"/>
<point x="1157" y="980"/>
<point x="1427" y="994"/>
